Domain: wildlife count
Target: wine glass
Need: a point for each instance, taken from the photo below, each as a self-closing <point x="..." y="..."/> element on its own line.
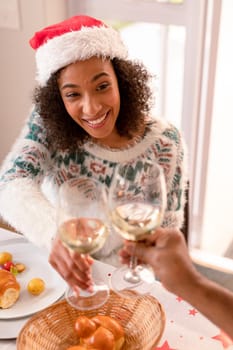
<point x="136" y="204"/>
<point x="82" y="227"/>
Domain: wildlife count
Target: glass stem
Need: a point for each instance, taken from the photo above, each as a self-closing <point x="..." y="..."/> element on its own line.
<point x="133" y="263"/>
<point x="131" y="275"/>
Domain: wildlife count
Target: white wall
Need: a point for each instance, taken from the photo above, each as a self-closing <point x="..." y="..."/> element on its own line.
<point x="17" y="68"/>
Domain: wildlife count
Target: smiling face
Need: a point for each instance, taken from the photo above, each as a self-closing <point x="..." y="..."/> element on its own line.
<point x="90" y="93"/>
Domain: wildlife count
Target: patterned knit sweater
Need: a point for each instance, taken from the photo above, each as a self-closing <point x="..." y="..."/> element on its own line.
<point x="32" y="173"/>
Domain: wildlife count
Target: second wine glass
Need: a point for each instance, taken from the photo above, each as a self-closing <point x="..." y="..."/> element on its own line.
<point x="82" y="227"/>
<point x="137" y="201"/>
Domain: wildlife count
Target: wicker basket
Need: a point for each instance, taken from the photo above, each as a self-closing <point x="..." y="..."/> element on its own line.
<point x="143" y="320"/>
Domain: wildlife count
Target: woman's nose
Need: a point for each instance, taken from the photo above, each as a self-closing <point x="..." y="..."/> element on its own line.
<point x="90" y="105"/>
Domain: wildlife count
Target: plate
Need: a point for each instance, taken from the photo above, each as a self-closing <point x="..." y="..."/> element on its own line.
<point x="9" y="329"/>
<point x="37" y="266"/>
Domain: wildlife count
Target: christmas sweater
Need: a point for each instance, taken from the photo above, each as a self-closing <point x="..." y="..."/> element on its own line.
<point x="32" y="173"/>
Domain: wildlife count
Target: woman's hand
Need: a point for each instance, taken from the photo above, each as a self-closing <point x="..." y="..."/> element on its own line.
<point x="73" y="267"/>
<point x="166" y="252"/>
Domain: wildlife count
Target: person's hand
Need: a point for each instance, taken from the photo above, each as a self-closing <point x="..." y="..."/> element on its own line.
<point x="73" y="267"/>
<point x="166" y="252"/>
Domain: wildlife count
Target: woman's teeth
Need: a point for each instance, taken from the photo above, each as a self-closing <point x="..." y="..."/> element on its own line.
<point x="97" y="121"/>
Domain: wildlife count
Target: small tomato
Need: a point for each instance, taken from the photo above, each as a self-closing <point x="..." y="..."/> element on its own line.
<point x="8" y="265"/>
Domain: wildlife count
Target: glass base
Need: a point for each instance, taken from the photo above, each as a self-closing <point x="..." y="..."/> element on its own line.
<point x="141" y="279"/>
<point x="86" y="300"/>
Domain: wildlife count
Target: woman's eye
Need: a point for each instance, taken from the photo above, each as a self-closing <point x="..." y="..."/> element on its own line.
<point x="72" y="94"/>
<point x="103" y="86"/>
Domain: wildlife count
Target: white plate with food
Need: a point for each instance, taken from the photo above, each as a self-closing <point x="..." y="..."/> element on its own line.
<point x="36" y="266"/>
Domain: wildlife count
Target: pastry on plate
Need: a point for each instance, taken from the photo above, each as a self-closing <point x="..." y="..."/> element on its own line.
<point x="9" y="289"/>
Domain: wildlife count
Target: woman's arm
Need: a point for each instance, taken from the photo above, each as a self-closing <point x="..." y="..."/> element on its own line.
<point x="166" y="251"/>
<point x="173" y="159"/>
<point x="213" y="301"/>
<point x="22" y="203"/>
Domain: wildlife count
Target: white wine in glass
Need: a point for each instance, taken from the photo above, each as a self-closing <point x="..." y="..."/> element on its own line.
<point x="136" y="204"/>
<point x="82" y="227"/>
<point x="83" y="235"/>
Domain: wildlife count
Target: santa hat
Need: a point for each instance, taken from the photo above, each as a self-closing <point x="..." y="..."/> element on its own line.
<point x="75" y="39"/>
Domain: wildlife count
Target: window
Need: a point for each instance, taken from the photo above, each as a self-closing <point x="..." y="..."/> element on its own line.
<point x="178" y="41"/>
<point x="161" y="49"/>
<point x="215" y="155"/>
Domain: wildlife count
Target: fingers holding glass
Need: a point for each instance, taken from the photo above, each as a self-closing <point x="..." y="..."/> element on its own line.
<point x="83" y="229"/>
<point x="136" y="201"/>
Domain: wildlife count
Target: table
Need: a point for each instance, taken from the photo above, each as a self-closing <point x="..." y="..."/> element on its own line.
<point x="186" y="328"/>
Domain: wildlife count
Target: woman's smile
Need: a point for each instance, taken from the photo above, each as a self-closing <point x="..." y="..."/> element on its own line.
<point x="98" y="122"/>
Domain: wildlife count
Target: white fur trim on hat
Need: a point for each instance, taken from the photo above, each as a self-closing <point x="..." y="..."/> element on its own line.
<point x="77" y="46"/>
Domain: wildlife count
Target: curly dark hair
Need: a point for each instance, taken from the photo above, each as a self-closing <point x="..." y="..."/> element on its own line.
<point x="135" y="102"/>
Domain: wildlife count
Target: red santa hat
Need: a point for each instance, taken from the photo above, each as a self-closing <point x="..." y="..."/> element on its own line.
<point x="75" y="39"/>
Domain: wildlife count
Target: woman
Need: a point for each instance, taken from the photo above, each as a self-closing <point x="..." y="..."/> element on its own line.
<point x="91" y="111"/>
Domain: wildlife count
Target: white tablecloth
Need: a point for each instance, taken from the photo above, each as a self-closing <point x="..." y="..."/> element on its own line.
<point x="186" y="328"/>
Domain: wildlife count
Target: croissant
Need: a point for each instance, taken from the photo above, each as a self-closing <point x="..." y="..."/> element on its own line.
<point x="9" y="289"/>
